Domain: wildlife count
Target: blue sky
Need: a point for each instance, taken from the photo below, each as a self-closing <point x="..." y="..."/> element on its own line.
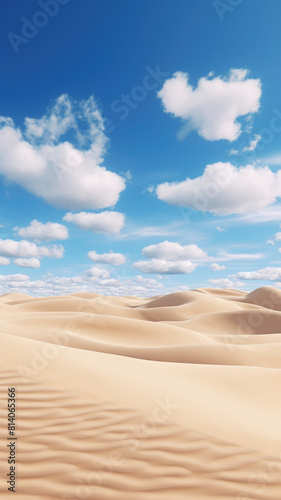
<point x="150" y="130"/>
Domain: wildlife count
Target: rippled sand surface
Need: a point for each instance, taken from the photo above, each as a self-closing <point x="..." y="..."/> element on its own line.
<point x="125" y="398"/>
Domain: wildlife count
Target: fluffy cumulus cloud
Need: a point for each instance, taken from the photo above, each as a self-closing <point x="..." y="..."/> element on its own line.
<point x="115" y="259"/>
<point x="159" y="266"/>
<point x="173" y="258"/>
<point x="43" y="232"/>
<point x="168" y="250"/>
<point x="225" y="283"/>
<point x="170" y="258"/>
<point x="214" y="107"/>
<point x="12" y="278"/>
<point x="4" y="261"/>
<point x="59" y="157"/>
<point x="217" y="267"/>
<point x="27" y="249"/>
<point x="105" y="222"/>
<point x="33" y="262"/>
<point x="148" y="282"/>
<point x="97" y="272"/>
<point x="224" y="189"/>
<point x="268" y="273"/>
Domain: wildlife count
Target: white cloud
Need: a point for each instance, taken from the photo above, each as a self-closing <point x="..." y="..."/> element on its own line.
<point x="220" y="229"/>
<point x="13" y="277"/>
<point x="274" y="159"/>
<point x="168" y="250"/>
<point x="234" y="152"/>
<point x="23" y="248"/>
<point x="213" y="107"/>
<point x="225" y="283"/>
<point x="4" y="261"/>
<point x="33" y="262"/>
<point x="97" y="272"/>
<point x="98" y="282"/>
<point x="226" y="256"/>
<point x="276" y="237"/>
<point x="217" y="267"/>
<point x="249" y="147"/>
<point x="253" y="144"/>
<point x="59" y="119"/>
<point x="159" y="266"/>
<point x="108" y="258"/>
<point x="170" y="258"/>
<point x="43" y="232"/>
<point x="104" y="222"/>
<point x="172" y="229"/>
<point x="42" y="161"/>
<point x="267" y="214"/>
<point x="148" y="282"/>
<point x="268" y="273"/>
<point x="224" y="189"/>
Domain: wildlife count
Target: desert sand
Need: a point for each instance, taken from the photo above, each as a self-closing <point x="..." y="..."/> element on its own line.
<point x="162" y="398"/>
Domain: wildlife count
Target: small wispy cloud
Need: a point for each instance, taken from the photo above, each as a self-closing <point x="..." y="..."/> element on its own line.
<point x="248" y="148"/>
<point x="172" y="229"/>
<point x="274" y="160"/>
<point x="225" y="256"/>
<point x="267" y="214"/>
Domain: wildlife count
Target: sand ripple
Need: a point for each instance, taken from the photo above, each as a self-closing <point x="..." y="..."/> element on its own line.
<point x="124" y="398"/>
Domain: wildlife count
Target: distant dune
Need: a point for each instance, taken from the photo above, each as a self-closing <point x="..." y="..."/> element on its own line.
<point x="125" y="398"/>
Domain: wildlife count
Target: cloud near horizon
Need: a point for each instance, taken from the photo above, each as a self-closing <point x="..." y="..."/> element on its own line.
<point x="267" y="273"/>
<point x="94" y="280"/>
<point x="225" y="283"/>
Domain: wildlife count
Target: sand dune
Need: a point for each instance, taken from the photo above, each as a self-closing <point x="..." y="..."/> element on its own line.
<point x="171" y="397"/>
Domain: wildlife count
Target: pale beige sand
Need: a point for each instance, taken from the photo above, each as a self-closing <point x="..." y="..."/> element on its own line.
<point x="173" y="397"/>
